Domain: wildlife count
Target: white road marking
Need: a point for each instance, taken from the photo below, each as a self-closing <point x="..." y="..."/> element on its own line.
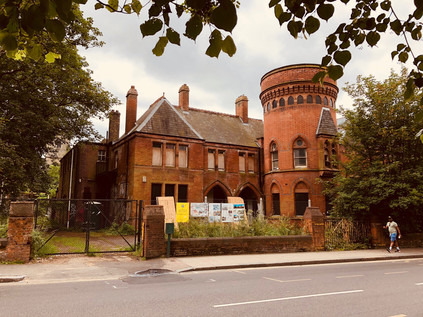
<point x="288" y="298"/>
<point x="402" y="315"/>
<point x="287" y="281"/>
<point x="211" y="281"/>
<point x="349" y="276"/>
<point x="240" y="272"/>
<point x="419" y="284"/>
<point x="401" y="272"/>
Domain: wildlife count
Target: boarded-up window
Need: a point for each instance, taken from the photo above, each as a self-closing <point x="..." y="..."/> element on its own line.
<point x="157" y="154"/>
<point x="250" y="163"/>
<point x="221" y="160"/>
<point x="182" y="193"/>
<point x="183" y="156"/>
<point x="170" y="155"/>
<point x="242" y="162"/>
<point x="211" y="164"/>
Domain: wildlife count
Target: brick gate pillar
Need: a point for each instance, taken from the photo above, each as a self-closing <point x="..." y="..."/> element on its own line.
<point x="314" y="221"/>
<point x="154" y="236"/>
<point x="21" y="224"/>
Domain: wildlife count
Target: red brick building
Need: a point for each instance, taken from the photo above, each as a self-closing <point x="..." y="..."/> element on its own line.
<point x="193" y="154"/>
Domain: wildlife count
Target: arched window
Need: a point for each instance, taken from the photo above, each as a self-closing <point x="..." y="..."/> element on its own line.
<point x="274" y="104"/>
<point x="281" y="102"/>
<point x="290" y="100"/>
<point x="326" y="157"/>
<point x="274" y="156"/>
<point x="325" y="101"/>
<point x="301" y="198"/>
<point x="268" y="106"/>
<point x="300" y="153"/>
<point x="331" y="103"/>
<point x="276" y="207"/>
<point x="300" y="99"/>
<point x="309" y="99"/>
<point x="318" y="100"/>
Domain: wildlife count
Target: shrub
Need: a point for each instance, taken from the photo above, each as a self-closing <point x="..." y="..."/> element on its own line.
<point x="200" y="228"/>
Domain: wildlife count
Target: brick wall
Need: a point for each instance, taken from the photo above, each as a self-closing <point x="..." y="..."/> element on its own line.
<point x="240" y="245"/>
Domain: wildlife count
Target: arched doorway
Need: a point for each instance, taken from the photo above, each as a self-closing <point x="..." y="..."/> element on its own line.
<point x="276" y="202"/>
<point x="217" y="195"/>
<point x="250" y="199"/>
<point x="301" y="196"/>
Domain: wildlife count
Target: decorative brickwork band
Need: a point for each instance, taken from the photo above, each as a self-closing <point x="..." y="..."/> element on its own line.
<point x="21" y="223"/>
<point x="154" y="237"/>
<point x="314" y="220"/>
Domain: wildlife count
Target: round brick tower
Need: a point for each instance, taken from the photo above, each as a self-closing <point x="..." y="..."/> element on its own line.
<point x="299" y="128"/>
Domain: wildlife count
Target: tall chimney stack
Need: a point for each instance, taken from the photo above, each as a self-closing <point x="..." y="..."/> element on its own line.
<point x="131" y="109"/>
<point x="114" y="125"/>
<point x="241" y="108"/>
<point x="184" y="97"/>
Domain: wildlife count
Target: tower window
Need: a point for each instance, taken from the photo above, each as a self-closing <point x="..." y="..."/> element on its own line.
<point x="325" y="101"/>
<point x="300" y="153"/>
<point x="274" y="104"/>
<point x="309" y="99"/>
<point x="290" y="100"/>
<point x="274" y="156"/>
<point x="281" y="102"/>
<point x="300" y="99"/>
<point x="318" y="100"/>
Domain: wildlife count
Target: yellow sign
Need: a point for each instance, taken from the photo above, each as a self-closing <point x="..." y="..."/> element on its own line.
<point x="182" y="212"/>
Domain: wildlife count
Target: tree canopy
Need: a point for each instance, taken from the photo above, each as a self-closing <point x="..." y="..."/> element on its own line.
<point x="383" y="173"/>
<point x="43" y="104"/>
<point x="23" y="25"/>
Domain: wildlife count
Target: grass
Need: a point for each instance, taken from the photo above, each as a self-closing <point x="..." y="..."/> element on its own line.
<point x="198" y="228"/>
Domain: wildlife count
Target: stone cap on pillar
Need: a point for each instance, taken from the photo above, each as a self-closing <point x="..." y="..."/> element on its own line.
<point x="153" y="210"/>
<point x="21" y="209"/>
<point x="313" y="213"/>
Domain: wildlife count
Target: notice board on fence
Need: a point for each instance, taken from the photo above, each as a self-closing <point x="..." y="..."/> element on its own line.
<point x="199" y="209"/>
<point x="215" y="212"/>
<point x="168" y="204"/>
<point x="182" y="212"/>
<point x="239" y="213"/>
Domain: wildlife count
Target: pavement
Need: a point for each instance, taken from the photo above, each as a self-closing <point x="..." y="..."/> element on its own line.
<point x="74" y="268"/>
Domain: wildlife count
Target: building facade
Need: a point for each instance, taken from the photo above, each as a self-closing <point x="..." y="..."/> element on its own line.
<point x="196" y="155"/>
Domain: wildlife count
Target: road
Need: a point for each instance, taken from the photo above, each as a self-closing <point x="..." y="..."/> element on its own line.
<point x="384" y="288"/>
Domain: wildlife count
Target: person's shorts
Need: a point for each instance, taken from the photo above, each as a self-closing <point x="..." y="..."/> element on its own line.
<point x="393" y="236"/>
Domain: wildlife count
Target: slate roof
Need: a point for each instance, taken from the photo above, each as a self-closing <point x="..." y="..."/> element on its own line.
<point x="165" y="119"/>
<point x="326" y="124"/>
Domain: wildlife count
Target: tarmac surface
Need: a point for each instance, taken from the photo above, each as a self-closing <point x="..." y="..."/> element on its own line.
<point x="74" y="268"/>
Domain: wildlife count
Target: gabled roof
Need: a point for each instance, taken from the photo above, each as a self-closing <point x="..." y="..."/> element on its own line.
<point x="224" y="128"/>
<point x="326" y="124"/>
<point x="165" y="119"/>
<point x="162" y="118"/>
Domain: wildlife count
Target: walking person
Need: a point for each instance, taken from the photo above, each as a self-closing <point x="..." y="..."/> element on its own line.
<point x="394" y="233"/>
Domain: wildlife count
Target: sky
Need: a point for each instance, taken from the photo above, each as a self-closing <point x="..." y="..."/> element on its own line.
<point x="262" y="45"/>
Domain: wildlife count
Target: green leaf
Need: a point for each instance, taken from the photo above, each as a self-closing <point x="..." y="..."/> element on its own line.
<point x="335" y="72"/>
<point x="35" y="52"/>
<point x="393" y="54"/>
<point x="98" y="6"/>
<point x="284" y="17"/>
<point x="154" y="10"/>
<point x="228" y="46"/>
<point x="194" y="26"/>
<point x="151" y="27"/>
<point x="403" y="57"/>
<point x="396" y="26"/>
<point x="325" y="11"/>
<point x="196" y="4"/>
<point x="127" y="8"/>
<point x="294" y="27"/>
<point x="56" y="30"/>
<point x="272" y="3"/>
<point x="173" y="36"/>
<point x="160" y="46"/>
<point x="113" y="5"/>
<point x="326" y="60"/>
<point x="9" y="42"/>
<point x="319" y="77"/>
<point x="278" y="11"/>
<point x="51" y="57"/>
<point x="179" y="10"/>
<point x="342" y="57"/>
<point x="372" y="38"/>
<point x="136" y="6"/>
<point x="385" y="5"/>
<point x="224" y="16"/>
<point x="36" y="20"/>
<point x="215" y="44"/>
<point x="312" y="24"/>
<point x="359" y="38"/>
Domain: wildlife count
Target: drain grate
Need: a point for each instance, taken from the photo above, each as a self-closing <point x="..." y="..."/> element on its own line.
<point x="153" y="272"/>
